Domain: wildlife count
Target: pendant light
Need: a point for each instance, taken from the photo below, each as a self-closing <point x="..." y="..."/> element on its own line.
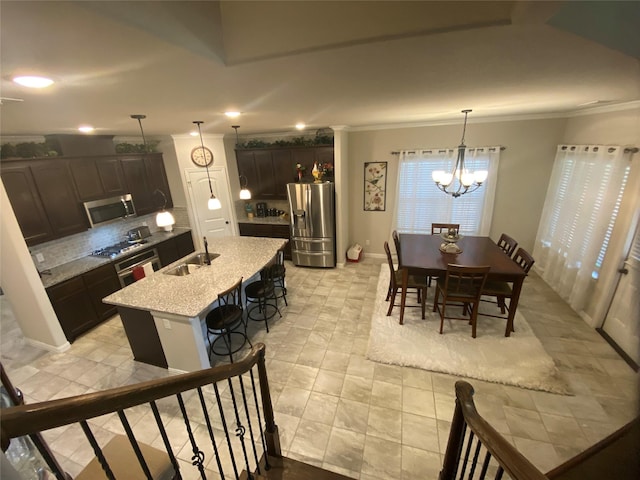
<point x="213" y="203"/>
<point x="164" y="218"/>
<point x="245" y="193"/>
<point x="466" y="181"/>
<point x="139" y="117"/>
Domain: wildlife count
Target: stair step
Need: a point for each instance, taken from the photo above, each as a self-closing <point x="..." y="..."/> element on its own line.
<point x="284" y="468"/>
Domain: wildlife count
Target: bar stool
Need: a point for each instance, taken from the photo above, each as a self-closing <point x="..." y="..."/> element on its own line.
<point x="223" y="321"/>
<point x="279" y="272"/>
<point x="262" y="301"/>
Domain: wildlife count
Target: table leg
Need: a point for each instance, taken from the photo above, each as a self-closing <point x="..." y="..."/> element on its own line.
<point x="513" y="304"/>
<point x="403" y="295"/>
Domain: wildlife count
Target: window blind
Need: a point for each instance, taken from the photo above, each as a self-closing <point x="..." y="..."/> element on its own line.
<point x="420" y="203"/>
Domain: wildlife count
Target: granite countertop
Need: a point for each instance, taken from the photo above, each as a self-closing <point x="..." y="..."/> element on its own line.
<point x="266" y="220"/>
<point x="192" y="295"/>
<point x="82" y="265"/>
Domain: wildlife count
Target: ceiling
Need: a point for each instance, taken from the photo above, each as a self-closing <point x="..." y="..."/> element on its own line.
<point x="324" y="63"/>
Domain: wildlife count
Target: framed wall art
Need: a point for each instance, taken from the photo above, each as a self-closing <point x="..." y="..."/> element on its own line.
<point x="375" y="186"/>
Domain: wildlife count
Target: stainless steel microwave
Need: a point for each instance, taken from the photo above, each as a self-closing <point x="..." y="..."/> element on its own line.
<point x="108" y="210"/>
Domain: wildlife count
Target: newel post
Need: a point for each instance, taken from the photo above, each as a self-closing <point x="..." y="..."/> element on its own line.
<point x="272" y="437"/>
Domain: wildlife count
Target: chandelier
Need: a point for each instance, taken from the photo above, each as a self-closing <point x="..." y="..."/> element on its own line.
<point x="213" y="203"/>
<point x="460" y="180"/>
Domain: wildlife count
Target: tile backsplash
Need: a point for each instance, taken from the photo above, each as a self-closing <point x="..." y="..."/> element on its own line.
<point x="67" y="249"/>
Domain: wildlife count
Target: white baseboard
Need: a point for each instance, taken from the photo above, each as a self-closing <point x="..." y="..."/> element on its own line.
<point x="45" y="346"/>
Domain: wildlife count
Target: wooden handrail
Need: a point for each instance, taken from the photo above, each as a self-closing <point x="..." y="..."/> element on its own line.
<point x="55" y="413"/>
<point x="512" y="461"/>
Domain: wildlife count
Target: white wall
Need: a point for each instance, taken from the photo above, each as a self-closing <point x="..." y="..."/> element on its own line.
<point x="525" y="168"/>
<point x="23" y="287"/>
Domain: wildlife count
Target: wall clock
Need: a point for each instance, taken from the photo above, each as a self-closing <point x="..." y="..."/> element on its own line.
<point x="202" y="156"/>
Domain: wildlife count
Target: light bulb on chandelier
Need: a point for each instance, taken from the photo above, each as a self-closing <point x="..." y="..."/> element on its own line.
<point x="466" y="181"/>
<point x="214" y="202"/>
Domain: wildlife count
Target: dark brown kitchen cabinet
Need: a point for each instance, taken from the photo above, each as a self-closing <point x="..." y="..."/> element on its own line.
<point x="44" y="199"/>
<point x="73" y="307"/>
<point x="59" y="198"/>
<point x="97" y="177"/>
<point x="184" y="244"/>
<point x="101" y="282"/>
<point x="268" y="170"/>
<point x="267" y="230"/>
<point x="175" y="248"/>
<point x="144" y="174"/>
<point x="78" y="301"/>
<point x="26" y="203"/>
<point x="247" y="168"/>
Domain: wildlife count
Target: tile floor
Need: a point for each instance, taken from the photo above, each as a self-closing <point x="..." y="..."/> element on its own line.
<point x="338" y="410"/>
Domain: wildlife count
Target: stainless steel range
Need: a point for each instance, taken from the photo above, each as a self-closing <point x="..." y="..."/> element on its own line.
<point x="113" y="250"/>
<point x="125" y="266"/>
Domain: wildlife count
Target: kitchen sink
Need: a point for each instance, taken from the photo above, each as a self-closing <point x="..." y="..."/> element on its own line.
<point x="182" y="269"/>
<point x="191" y="264"/>
<point x="201" y="258"/>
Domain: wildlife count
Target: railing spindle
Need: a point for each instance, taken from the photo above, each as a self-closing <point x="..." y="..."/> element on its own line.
<point x="210" y="430"/>
<point x="226" y="430"/>
<point x="198" y="455"/>
<point x="134" y="444"/>
<point x="240" y="429"/>
<point x="97" y="450"/>
<point x="165" y="437"/>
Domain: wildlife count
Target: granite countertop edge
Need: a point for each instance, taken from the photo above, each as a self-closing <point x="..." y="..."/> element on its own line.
<point x="85" y="264"/>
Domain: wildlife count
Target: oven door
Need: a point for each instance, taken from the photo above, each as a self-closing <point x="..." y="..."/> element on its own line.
<point x="125" y="267"/>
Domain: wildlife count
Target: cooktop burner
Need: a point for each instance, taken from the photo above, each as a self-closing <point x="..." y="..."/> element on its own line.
<point x="113" y="250"/>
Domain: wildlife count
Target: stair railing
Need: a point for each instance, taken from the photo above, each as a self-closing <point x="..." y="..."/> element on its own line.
<point x="475" y="450"/>
<point x="220" y="399"/>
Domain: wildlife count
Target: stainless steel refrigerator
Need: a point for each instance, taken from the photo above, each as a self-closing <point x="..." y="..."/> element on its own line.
<point x="313" y="230"/>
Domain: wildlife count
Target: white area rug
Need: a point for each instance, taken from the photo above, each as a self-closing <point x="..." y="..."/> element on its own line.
<point x="518" y="360"/>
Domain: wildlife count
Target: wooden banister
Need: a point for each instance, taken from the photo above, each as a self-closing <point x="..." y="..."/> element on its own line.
<point x="55" y="413"/>
<point x="466" y="417"/>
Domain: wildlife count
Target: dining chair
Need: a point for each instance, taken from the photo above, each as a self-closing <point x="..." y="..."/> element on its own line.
<point x="223" y="322"/>
<point x="462" y="285"/>
<point x="395" y="284"/>
<point x="444" y="227"/>
<point x="396" y="242"/>
<point x="507" y="244"/>
<point x="502" y="290"/>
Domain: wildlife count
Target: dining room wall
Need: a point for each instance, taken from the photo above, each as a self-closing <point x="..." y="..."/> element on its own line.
<point x="523" y="175"/>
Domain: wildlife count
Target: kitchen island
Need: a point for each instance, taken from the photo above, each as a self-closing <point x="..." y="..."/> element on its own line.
<point x="171" y="309"/>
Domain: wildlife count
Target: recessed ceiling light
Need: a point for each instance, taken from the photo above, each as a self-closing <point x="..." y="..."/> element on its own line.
<point x="300" y="126"/>
<point x="86" y="129"/>
<point x="33" y="82"/>
<point x="232" y="114"/>
<point x="193" y="134"/>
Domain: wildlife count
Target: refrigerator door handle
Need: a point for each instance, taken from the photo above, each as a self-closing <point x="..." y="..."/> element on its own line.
<point x="299" y="216"/>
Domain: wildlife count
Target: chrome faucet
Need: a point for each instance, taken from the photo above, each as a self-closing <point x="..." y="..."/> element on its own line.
<point x="206" y="251"/>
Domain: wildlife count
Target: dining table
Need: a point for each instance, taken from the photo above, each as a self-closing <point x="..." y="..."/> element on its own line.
<point x="420" y="254"/>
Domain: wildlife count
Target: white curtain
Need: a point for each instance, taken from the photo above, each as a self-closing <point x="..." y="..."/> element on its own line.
<point x="580" y="209"/>
<point x="419" y="203"/>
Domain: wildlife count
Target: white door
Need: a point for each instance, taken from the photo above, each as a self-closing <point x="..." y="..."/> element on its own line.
<point x="622" y="323"/>
<point x="210" y="223"/>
